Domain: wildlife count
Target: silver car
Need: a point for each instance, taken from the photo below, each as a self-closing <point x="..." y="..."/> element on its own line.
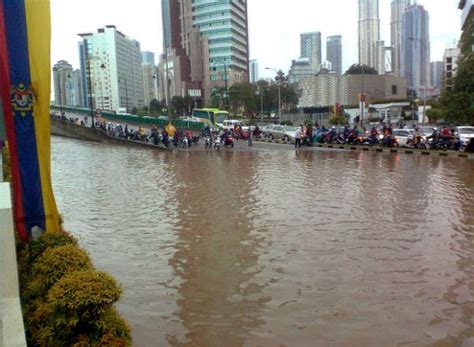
<point x="281" y="132"/>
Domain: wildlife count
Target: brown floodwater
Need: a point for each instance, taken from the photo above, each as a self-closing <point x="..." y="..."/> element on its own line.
<point x="273" y="247"/>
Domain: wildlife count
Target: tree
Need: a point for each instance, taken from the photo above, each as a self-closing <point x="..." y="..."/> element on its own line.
<point x="361" y="69"/>
<point x="457" y="105"/>
<point x="155" y="107"/>
<point x="134" y="110"/>
<point x="188" y="104"/>
<point x="242" y="97"/>
<point x="177" y="103"/>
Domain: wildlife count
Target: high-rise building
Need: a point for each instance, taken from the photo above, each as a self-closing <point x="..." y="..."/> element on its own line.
<point x="450" y="62"/>
<point x="148" y="57"/>
<point x="62" y="70"/>
<point x="205" y="46"/>
<point x="149" y="83"/>
<point x="67" y="85"/>
<point x="113" y="65"/>
<point x="334" y="53"/>
<point x="415" y="53"/>
<point x="82" y="61"/>
<point x="467" y="26"/>
<point x="437" y="68"/>
<point x="254" y="73"/>
<point x="369" y="31"/>
<point x="300" y="68"/>
<point x="311" y="49"/>
<point x="398" y="9"/>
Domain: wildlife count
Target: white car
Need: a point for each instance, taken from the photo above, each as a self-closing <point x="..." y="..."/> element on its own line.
<point x="403" y="136"/>
<point x="465" y="134"/>
<point x="230" y="124"/>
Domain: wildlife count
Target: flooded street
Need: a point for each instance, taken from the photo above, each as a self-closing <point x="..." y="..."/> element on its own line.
<point x="271" y="247"/>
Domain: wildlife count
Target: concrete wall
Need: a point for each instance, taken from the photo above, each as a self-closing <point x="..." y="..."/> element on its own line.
<point x="68" y="129"/>
<point x="12" y="332"/>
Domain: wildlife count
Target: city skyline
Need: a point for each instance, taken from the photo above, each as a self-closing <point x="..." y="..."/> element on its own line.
<point x="272" y="43"/>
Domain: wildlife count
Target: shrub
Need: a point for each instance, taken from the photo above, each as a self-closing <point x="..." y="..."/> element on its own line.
<point x="35" y="248"/>
<point x="79" y="311"/>
<point x="66" y="302"/>
<point x="53" y="264"/>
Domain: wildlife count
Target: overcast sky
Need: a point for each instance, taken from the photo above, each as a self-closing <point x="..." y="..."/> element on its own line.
<point x="274" y="26"/>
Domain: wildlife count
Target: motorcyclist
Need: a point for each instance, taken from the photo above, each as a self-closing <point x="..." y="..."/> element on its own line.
<point x="206" y="131"/>
<point x="434" y="136"/>
<point x="446" y="134"/>
<point x="373" y="136"/>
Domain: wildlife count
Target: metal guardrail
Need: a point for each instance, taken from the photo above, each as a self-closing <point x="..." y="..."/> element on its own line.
<point x="145" y="120"/>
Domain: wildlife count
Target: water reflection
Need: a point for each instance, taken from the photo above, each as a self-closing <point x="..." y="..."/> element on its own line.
<point x="277" y="247"/>
<point x="217" y="253"/>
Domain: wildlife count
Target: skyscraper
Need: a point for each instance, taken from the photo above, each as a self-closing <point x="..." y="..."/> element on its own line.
<point x="369" y="31"/>
<point x="148" y="57"/>
<point x="334" y="53"/>
<point x="311" y="49"/>
<point x="113" y="63"/>
<point x="62" y="70"/>
<point x="398" y="9"/>
<point x="254" y="73"/>
<point x="205" y="46"/>
<point x="437" y="68"/>
<point x="67" y="85"/>
<point x="415" y="52"/>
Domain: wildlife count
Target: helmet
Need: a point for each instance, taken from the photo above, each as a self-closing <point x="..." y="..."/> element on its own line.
<point x="435" y="129"/>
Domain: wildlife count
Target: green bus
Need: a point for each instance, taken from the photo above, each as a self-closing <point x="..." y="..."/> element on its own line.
<point x="213" y="116"/>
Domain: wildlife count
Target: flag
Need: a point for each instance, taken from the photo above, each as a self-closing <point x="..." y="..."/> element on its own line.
<point x="25" y="83"/>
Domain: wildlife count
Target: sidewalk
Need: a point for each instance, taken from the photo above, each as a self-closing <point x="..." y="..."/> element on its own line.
<point x="12" y="332"/>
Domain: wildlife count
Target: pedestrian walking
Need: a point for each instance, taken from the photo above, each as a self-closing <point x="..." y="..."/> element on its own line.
<point x="298" y="135"/>
<point x="250" y="138"/>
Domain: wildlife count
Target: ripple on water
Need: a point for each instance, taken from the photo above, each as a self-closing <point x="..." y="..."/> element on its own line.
<point x="275" y="247"/>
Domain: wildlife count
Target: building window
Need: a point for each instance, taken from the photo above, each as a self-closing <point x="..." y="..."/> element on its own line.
<point x="449" y="60"/>
<point x="394" y="89"/>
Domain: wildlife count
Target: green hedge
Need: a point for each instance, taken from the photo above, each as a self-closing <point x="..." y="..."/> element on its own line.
<point x="65" y="301"/>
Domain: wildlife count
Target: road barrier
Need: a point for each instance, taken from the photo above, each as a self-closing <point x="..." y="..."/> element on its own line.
<point x="378" y="149"/>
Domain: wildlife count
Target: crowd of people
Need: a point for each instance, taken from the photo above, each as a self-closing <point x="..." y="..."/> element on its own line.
<point x="384" y="135"/>
<point x="305" y="135"/>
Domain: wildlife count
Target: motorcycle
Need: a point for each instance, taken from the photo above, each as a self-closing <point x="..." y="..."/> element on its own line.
<point x="208" y="142"/>
<point x="228" y="142"/>
<point x="217" y="144"/>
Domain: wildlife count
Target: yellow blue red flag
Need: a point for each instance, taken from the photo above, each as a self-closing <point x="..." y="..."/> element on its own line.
<point x="25" y="84"/>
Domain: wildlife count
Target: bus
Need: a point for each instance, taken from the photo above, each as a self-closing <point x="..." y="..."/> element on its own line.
<point x="213" y="116"/>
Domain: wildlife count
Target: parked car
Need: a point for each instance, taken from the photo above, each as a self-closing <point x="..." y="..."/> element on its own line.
<point x="426" y="130"/>
<point x="230" y="124"/>
<point x="404" y="136"/>
<point x="281" y="132"/>
<point x="465" y="134"/>
<point x="266" y="129"/>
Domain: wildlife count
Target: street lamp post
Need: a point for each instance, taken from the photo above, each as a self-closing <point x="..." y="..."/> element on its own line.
<point x="126" y="92"/>
<point x="225" y="81"/>
<point x="279" y="92"/>
<point x="425" y="81"/>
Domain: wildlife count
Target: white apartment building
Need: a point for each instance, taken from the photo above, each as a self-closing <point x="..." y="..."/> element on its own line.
<point x="323" y="90"/>
<point x="450" y="60"/>
<point x="113" y="69"/>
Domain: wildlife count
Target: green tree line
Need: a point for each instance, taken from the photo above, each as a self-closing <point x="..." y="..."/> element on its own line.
<point x="456" y="106"/>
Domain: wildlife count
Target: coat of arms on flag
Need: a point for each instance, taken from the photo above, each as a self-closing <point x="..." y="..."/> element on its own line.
<point x="22" y="99"/>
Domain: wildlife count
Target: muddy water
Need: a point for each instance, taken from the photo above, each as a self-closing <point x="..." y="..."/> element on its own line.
<point x="271" y="247"/>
